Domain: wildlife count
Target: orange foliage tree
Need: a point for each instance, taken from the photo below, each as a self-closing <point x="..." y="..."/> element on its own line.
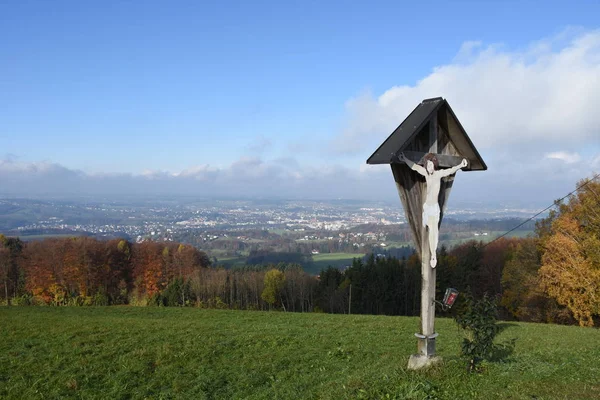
<point x="4" y="268"/>
<point x="148" y="268"/>
<point x="83" y="270"/>
<point x="523" y="296"/>
<point x="570" y="270"/>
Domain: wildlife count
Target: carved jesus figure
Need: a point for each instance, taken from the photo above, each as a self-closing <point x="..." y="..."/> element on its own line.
<point x="431" y="208"/>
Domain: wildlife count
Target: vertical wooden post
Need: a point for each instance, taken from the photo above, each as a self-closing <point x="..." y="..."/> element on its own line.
<point x="426" y="339"/>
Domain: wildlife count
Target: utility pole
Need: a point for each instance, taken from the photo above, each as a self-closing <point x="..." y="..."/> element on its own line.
<point x="350" y="301"/>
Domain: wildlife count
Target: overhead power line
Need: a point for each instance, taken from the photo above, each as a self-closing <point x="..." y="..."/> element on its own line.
<point x="545" y="209"/>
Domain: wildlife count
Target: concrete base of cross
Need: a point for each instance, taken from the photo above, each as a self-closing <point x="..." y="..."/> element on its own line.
<point x="419" y="361"/>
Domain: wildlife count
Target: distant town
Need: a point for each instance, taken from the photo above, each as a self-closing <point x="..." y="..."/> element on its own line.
<point x="236" y="233"/>
<point x="164" y="219"/>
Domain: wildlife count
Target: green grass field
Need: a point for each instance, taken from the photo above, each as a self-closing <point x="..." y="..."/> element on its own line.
<point x="231" y="261"/>
<point x="336" y="256"/>
<point x="322" y="261"/>
<point x="486" y="239"/>
<point x="167" y="353"/>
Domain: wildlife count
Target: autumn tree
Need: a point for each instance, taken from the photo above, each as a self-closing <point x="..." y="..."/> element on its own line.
<point x="467" y="273"/>
<point x="494" y="258"/>
<point x="4" y="266"/>
<point x="148" y="268"/>
<point x="120" y="274"/>
<point x="523" y="296"/>
<point x="42" y="265"/>
<point x="274" y="283"/>
<point x="570" y="270"/>
<point x="297" y="288"/>
<point x="10" y="272"/>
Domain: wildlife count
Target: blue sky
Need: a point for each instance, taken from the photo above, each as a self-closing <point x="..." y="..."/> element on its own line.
<point x="146" y="87"/>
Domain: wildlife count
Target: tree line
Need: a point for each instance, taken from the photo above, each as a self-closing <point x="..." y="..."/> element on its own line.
<point x="85" y="271"/>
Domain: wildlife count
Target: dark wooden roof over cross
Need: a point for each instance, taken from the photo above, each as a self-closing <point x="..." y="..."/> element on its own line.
<point x="432" y="127"/>
<point x="414" y="136"/>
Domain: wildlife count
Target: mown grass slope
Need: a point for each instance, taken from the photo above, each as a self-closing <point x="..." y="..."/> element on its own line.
<point x="325" y="260"/>
<point x="163" y="353"/>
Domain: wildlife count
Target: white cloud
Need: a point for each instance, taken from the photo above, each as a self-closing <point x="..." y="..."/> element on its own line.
<point x="10" y="165"/>
<point x="199" y="172"/>
<point x="542" y="95"/>
<point x="245" y="177"/>
<point x="524" y="182"/>
<point x="565" y="156"/>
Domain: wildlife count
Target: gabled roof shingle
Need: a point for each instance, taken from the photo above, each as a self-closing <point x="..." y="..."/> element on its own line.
<point x="419" y="119"/>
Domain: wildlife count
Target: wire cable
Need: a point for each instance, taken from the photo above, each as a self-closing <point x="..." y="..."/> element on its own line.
<point x="544" y="210"/>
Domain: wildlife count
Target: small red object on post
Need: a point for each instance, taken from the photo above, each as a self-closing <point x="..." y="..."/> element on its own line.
<point x="450" y="297"/>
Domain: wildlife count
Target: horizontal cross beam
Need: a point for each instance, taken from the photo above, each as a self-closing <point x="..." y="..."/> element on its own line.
<point x="444" y="160"/>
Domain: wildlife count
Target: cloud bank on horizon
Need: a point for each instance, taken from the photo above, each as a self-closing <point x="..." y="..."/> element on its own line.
<point x="532" y="114"/>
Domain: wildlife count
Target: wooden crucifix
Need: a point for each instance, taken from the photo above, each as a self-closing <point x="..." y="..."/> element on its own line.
<point x="431" y="206"/>
<point x="430" y="135"/>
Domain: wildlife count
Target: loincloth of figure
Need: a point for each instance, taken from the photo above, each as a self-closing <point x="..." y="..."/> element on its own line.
<point x="429" y="211"/>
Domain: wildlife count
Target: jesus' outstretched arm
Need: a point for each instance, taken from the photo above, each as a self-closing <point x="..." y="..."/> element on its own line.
<point x="412" y="165"/>
<point x="450" y="171"/>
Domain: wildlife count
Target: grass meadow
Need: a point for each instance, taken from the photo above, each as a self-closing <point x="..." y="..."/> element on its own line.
<point x="319" y="261"/>
<point x="168" y="353"/>
<point x="325" y="260"/>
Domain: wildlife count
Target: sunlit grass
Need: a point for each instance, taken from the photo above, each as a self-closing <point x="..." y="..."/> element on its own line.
<point x="336" y="256"/>
<point x="325" y="260"/>
<point x="128" y="352"/>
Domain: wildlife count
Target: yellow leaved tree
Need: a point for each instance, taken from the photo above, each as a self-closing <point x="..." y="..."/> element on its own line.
<point x="570" y="270"/>
<point x="274" y="284"/>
